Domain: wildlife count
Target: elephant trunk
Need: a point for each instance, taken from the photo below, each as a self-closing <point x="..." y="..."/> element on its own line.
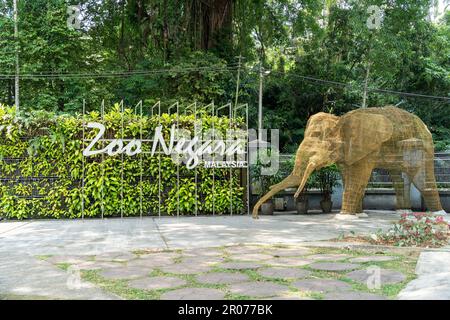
<point x="298" y="177"/>
<point x="309" y="170"/>
<point x="290" y="181"/>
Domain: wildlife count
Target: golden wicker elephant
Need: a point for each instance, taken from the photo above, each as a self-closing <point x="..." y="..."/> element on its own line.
<point x="360" y="141"/>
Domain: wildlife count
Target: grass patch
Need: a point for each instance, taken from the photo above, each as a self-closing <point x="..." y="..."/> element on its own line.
<point x="405" y="263"/>
<point x="44" y="257"/>
<point x="120" y="287"/>
<point x="63" y="266"/>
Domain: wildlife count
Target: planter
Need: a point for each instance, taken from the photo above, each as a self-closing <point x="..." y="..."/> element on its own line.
<point x="267" y="208"/>
<point x="326" y="206"/>
<point x="302" y="206"/>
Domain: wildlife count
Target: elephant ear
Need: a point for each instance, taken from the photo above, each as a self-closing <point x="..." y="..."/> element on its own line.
<point x="362" y="134"/>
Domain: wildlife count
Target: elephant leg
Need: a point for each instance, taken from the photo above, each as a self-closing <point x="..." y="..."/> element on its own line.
<point x="356" y="179"/>
<point x="425" y="181"/>
<point x="360" y="204"/>
<point x="290" y="181"/>
<point x="344" y="173"/>
<point x="402" y="187"/>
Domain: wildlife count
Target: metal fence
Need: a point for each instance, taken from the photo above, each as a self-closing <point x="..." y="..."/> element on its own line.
<point x="380" y="177"/>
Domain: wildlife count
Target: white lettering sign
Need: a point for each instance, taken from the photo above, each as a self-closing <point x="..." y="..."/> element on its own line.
<point x="192" y="150"/>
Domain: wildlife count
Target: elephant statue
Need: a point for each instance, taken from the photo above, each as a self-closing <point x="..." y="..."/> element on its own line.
<point x="360" y="141"/>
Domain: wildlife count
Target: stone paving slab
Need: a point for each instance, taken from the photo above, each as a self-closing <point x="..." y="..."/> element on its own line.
<point x="206" y="260"/>
<point x="386" y="276"/>
<point x="70" y="259"/>
<point x="288" y="252"/>
<point x="251" y="257"/>
<point x="166" y="256"/>
<point x="378" y="258"/>
<point x="284" y="273"/>
<point x="125" y="273"/>
<point x="186" y="268"/>
<point x="333" y="266"/>
<point x="329" y="257"/>
<point x="97" y="265"/>
<point x="258" y="289"/>
<point x="115" y="256"/>
<point x="152" y="261"/>
<point x="321" y="285"/>
<point x="244" y="249"/>
<point x="157" y="283"/>
<point x="239" y="265"/>
<point x="288" y="298"/>
<point x="203" y="252"/>
<point x="222" y="278"/>
<point x="288" y="262"/>
<point x="22" y="275"/>
<point x="352" y="295"/>
<point x="194" y="294"/>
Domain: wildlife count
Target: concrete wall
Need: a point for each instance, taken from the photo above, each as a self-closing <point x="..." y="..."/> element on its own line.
<point x="375" y="199"/>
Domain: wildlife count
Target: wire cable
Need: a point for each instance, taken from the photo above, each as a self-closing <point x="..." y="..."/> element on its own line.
<point x="347" y="85"/>
<point x="115" y="73"/>
<point x="118" y="74"/>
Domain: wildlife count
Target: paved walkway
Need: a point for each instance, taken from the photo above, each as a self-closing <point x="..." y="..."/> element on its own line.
<point x="433" y="281"/>
<point x="96" y="236"/>
<point x="23" y="273"/>
<point x="26" y="271"/>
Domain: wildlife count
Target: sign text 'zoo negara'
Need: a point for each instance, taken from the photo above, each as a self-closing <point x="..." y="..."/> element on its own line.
<point x="208" y="148"/>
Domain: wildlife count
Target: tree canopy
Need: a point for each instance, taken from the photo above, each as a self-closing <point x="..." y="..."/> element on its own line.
<point x="187" y="50"/>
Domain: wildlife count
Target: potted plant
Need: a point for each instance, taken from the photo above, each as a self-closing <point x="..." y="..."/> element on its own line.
<point x="327" y="179"/>
<point x="264" y="183"/>
<point x="302" y="203"/>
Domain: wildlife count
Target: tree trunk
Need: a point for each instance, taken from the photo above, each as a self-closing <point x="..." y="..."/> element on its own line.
<point x="210" y="19"/>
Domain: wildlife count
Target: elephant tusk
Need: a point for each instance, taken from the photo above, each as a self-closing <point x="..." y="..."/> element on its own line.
<point x="309" y="169"/>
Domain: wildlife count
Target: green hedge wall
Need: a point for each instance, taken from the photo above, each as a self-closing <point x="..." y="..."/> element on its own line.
<point x="41" y="169"/>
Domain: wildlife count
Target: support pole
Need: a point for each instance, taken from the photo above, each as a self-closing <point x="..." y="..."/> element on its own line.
<point x="238" y="83"/>
<point x="260" y="97"/>
<point x="102" y="113"/>
<point x="196" y="171"/>
<point x="121" y="158"/>
<point x="16" y="78"/>
<point x="83" y="160"/>
<point x="231" y="170"/>
<point x="141" y="171"/>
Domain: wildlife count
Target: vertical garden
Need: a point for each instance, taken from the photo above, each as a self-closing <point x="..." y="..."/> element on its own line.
<point x="43" y="173"/>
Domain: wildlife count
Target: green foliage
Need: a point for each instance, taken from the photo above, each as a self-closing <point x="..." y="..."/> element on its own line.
<point x="42" y="170"/>
<point x="291" y="38"/>
<point x="325" y="179"/>
<point x="272" y="174"/>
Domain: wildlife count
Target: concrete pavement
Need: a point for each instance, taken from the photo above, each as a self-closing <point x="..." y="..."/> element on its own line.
<point x="23" y="273"/>
<point x="433" y="281"/>
<point x="51" y="237"/>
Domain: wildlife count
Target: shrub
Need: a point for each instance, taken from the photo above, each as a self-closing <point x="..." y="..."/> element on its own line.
<point x="419" y="229"/>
